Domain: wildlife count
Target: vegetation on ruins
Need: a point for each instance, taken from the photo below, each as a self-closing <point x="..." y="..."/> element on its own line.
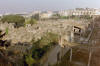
<point x="73" y="17"/>
<point x="30" y="21"/>
<point x="86" y="17"/>
<point x="6" y="30"/>
<point x="40" y="47"/>
<point x="3" y="55"/>
<point x="1" y="36"/>
<point x="16" y="19"/>
<point x="63" y="17"/>
<point x="80" y="17"/>
<point x="30" y="60"/>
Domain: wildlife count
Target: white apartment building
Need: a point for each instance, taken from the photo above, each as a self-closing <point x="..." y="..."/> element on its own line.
<point x="82" y="11"/>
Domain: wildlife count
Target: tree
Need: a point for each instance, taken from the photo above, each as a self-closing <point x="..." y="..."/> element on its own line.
<point x="56" y="16"/>
<point x="30" y="21"/>
<point x="17" y="19"/>
<point x="36" y="16"/>
<point x="33" y="21"/>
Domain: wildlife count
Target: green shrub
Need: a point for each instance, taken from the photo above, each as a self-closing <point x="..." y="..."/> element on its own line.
<point x="29" y="60"/>
<point x="18" y="20"/>
<point x="6" y="30"/>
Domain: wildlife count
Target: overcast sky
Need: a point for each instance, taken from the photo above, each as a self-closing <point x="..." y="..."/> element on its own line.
<point x="30" y="5"/>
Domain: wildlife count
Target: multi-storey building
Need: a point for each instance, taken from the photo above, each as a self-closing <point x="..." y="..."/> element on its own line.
<point x="82" y="11"/>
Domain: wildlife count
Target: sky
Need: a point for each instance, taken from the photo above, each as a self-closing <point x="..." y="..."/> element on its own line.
<point x="13" y="6"/>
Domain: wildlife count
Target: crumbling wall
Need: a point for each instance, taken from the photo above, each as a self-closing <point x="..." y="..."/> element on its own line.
<point x="26" y="34"/>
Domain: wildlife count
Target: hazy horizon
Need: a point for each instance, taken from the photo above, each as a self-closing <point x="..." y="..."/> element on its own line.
<point x="15" y="6"/>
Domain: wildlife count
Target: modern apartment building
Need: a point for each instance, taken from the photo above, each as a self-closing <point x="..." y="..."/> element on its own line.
<point x="80" y="12"/>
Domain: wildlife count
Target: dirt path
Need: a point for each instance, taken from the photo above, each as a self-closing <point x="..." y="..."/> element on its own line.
<point x="95" y="61"/>
<point x="80" y="55"/>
